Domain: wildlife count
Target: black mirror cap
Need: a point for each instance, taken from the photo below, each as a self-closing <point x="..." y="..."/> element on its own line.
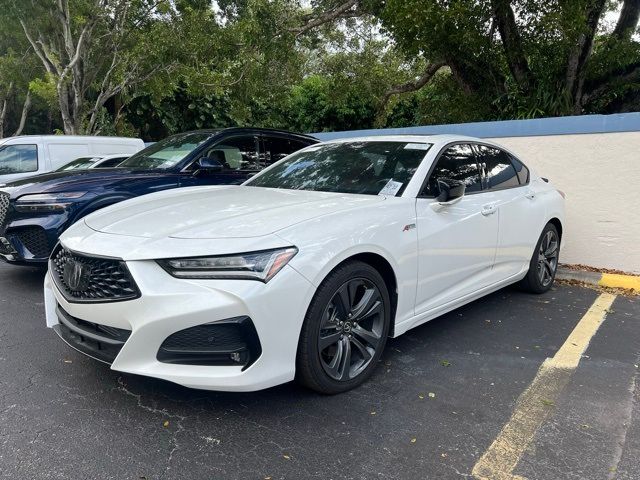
<point x="207" y="164"/>
<point x="450" y="190"/>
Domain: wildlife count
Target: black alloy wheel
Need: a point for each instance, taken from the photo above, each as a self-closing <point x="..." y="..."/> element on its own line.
<point x="548" y="258"/>
<point x="345" y="329"/>
<point x="351" y="329"/>
<point x="544" y="262"/>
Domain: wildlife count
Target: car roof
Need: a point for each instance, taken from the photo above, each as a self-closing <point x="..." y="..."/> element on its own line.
<point x="252" y="130"/>
<point x="69" y="138"/>
<point x="438" y="138"/>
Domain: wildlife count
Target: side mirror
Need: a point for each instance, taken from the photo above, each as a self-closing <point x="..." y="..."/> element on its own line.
<point x="208" y="165"/>
<point x="451" y="191"/>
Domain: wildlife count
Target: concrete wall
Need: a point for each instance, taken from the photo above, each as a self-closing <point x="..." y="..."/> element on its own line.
<point x="594" y="159"/>
<point x="600" y="174"/>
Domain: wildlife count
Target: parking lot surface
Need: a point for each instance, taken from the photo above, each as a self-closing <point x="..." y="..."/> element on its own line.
<point x="444" y="395"/>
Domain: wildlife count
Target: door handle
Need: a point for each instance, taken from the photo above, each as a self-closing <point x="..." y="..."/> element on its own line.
<point x="488" y="210"/>
<point x="530" y="195"/>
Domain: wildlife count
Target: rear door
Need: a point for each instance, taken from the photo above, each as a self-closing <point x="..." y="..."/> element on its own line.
<point x="456" y="243"/>
<point x="519" y="214"/>
<point x="277" y="147"/>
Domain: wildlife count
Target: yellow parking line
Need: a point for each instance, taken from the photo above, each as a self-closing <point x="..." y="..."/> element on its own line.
<point x="631" y="282"/>
<point x="536" y="403"/>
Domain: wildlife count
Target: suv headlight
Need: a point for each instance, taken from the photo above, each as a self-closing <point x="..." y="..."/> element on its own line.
<point x="46" y="202"/>
<point x="262" y="265"/>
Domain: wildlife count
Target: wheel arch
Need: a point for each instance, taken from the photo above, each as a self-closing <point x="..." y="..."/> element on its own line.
<point x="555" y="221"/>
<point x="99" y="203"/>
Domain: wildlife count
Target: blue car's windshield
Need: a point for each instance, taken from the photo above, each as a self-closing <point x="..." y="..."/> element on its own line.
<point x="371" y="168"/>
<point x="166" y="153"/>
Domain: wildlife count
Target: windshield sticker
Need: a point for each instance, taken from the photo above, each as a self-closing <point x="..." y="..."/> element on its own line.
<point x="391" y="188"/>
<point x="417" y="146"/>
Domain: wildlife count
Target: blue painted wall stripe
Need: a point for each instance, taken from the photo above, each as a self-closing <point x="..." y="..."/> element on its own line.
<point x="623" y="122"/>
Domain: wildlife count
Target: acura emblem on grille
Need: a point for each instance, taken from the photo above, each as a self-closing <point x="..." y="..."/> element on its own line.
<point x="77" y="275"/>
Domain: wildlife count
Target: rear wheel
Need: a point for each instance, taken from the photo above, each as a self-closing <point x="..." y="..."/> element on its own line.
<point x="544" y="262"/>
<point x="345" y="329"/>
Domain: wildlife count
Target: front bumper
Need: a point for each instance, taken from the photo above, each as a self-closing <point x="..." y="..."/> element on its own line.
<point x="168" y="305"/>
<point x="29" y="241"/>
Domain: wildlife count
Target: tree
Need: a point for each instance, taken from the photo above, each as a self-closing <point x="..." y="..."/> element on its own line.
<point x="17" y="69"/>
<point x="522" y="58"/>
<point x="92" y="51"/>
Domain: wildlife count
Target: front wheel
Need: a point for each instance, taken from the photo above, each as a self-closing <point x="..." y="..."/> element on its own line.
<point x="345" y="329"/>
<point x="544" y="262"/>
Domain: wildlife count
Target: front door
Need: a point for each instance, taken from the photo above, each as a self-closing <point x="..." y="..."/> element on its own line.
<point x="456" y="243"/>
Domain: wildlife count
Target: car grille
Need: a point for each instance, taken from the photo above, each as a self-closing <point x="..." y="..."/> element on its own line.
<point x="83" y="278"/>
<point x="35" y="240"/>
<point x="4" y="208"/>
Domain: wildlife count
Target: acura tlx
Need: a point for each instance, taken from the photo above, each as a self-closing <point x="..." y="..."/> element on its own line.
<point x="306" y="269"/>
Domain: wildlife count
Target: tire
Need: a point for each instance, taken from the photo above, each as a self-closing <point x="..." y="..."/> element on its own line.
<point x="544" y="262"/>
<point x="347" y="321"/>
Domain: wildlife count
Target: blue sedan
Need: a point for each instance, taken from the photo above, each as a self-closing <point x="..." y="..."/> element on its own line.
<point x="35" y="211"/>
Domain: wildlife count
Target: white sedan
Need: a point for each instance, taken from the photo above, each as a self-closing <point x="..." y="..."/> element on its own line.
<point x="97" y="161"/>
<point x="306" y="269"/>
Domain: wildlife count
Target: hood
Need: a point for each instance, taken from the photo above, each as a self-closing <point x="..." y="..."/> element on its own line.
<point x="71" y="181"/>
<point x="220" y="212"/>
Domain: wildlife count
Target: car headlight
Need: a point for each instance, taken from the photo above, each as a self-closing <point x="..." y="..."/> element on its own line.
<point x="262" y="265"/>
<point x="46" y="202"/>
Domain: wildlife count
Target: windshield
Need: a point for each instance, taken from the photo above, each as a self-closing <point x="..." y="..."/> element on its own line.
<point x="166" y="153"/>
<point x="369" y="168"/>
<point x="78" y="164"/>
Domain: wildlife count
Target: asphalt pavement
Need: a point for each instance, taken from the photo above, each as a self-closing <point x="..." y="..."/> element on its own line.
<point x="441" y="397"/>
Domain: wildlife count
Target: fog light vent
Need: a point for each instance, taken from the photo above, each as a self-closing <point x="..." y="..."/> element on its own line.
<point x="233" y="341"/>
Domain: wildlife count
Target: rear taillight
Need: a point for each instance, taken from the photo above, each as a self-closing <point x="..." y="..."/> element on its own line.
<point x="562" y="193"/>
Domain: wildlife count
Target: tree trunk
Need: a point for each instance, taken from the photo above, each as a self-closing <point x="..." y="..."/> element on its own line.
<point x="512" y="43"/>
<point x="628" y="20"/>
<point x="578" y="57"/>
<point x="25" y="111"/>
<point x="3" y="110"/>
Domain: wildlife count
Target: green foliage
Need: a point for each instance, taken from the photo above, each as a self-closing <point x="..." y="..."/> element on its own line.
<point x="189" y="64"/>
<point x="181" y="111"/>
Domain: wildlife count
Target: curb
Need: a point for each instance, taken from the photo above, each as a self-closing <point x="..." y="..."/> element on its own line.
<point x="611" y="280"/>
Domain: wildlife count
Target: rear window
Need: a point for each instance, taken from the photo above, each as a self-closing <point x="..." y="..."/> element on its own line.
<point x="498" y="169"/>
<point x="521" y="170"/>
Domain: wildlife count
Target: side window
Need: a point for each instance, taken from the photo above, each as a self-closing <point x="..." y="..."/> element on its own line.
<point x="18" y="159"/>
<point x="236" y="153"/>
<point x="521" y="170"/>
<point x="457" y="162"/>
<point x="276" y="148"/>
<point x="499" y="173"/>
